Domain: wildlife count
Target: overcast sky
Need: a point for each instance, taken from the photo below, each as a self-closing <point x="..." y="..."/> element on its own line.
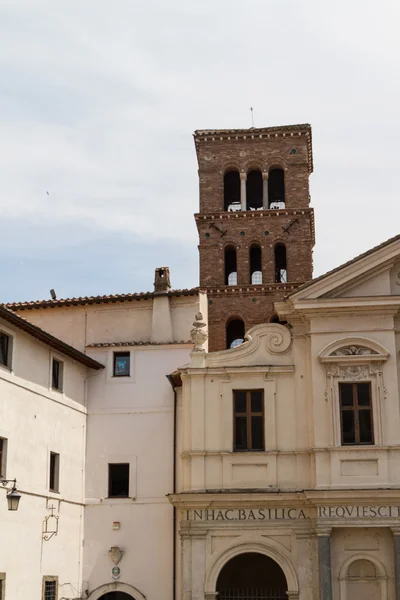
<point x="99" y="100"/>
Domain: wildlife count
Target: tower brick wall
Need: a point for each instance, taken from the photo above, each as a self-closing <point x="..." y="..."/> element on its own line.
<point x="288" y="148"/>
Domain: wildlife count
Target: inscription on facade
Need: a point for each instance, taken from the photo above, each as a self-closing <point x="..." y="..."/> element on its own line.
<point x="274" y="514"/>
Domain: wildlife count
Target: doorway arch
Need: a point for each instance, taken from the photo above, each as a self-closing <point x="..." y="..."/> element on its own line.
<point x="129" y="592"/>
<point x="116" y="596"/>
<point x="251" y="576"/>
<point x="267" y="547"/>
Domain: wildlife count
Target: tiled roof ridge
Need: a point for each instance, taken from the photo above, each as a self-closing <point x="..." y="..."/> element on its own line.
<point x="121" y="344"/>
<point x="48" y="339"/>
<point x="82" y="300"/>
<point x="347" y="263"/>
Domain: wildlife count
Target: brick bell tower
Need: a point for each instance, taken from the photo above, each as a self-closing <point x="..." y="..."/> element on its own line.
<point x="256" y="228"/>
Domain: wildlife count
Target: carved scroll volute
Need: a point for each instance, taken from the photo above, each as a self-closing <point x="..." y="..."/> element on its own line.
<point x="278" y="339"/>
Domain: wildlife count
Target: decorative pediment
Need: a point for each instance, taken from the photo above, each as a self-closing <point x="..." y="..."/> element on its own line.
<point x="353" y="351"/>
<point x="263" y="342"/>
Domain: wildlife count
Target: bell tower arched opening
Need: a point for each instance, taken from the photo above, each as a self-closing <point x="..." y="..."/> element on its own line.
<point x="230" y="265"/>
<point x="254" y="190"/>
<point x="280" y="263"/>
<point x="232" y="190"/>
<point x="234" y="333"/>
<point x="252" y="576"/>
<point x="276" y="188"/>
<point x="255" y="264"/>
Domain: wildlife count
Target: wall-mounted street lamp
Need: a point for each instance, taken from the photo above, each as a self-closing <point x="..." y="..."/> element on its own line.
<point x="13" y="497"/>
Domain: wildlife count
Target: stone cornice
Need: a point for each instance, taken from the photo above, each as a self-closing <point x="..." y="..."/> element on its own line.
<point x="253" y="214"/>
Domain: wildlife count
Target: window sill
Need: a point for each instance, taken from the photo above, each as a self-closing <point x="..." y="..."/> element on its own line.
<point x="54" y="491"/>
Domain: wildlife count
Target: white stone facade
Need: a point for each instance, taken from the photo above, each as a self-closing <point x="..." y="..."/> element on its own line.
<point x="324" y="509"/>
<point x="124" y="420"/>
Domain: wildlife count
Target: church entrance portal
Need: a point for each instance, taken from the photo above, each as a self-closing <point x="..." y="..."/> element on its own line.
<point x="251" y="576"/>
<point x="117" y="596"/>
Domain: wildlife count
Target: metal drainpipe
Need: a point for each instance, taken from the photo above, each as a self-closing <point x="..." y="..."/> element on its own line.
<point x="174" y="491"/>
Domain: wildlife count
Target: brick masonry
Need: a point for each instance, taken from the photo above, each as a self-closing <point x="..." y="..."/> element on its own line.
<point x="219" y="151"/>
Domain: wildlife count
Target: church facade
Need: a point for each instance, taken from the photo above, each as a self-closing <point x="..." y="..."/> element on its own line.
<point x="290" y="473"/>
<point x="289" y="449"/>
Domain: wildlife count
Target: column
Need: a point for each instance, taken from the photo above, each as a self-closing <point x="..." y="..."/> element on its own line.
<point x="243" y="179"/>
<point x="306" y="564"/>
<point x="324" y="562"/>
<point x="198" y="564"/>
<point x="265" y="190"/>
<point x="396" y="549"/>
<point x="186" y="549"/>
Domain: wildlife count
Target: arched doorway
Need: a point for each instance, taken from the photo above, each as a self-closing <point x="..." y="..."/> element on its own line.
<point x="117" y="596"/>
<point x="252" y="576"/>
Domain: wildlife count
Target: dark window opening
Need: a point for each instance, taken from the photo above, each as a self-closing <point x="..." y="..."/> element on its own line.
<point x="234" y="333"/>
<point x="248" y="420"/>
<point x="5" y="350"/>
<point x="230" y="266"/>
<point x="118" y="480"/>
<point x="57" y="375"/>
<point x="280" y="263"/>
<point x="122" y="364"/>
<point x="254" y="190"/>
<point x="275" y="319"/>
<point x="276" y="188"/>
<point x="3" y="446"/>
<point x="232" y="190"/>
<point x="356" y="413"/>
<point x="54" y="478"/>
<point x="50" y="589"/>
<point x="255" y="264"/>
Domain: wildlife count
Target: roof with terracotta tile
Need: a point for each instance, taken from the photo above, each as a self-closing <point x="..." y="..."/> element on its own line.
<point x="347" y="264"/>
<point x="87" y="300"/>
<point x="122" y="344"/>
<point x="47" y="338"/>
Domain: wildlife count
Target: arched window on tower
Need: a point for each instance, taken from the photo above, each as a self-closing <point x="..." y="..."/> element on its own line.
<point x="232" y="190"/>
<point x="276" y="188"/>
<point x="234" y="333"/>
<point x="230" y="266"/>
<point x="255" y="264"/>
<point x="280" y="263"/>
<point x="254" y="190"/>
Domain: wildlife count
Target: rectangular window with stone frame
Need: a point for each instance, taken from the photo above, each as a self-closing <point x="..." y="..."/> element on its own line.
<point x="2" y="586"/>
<point x="248" y="420"/>
<point x="356" y="414"/>
<point x="50" y="587"/>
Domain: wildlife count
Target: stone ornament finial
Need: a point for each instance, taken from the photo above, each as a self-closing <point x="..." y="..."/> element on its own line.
<point x="198" y="334"/>
<point x="115" y="553"/>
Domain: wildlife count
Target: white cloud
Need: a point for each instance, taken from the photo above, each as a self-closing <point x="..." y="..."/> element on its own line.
<point x="98" y="102"/>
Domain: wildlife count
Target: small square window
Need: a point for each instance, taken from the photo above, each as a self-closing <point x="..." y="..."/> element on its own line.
<point x="122" y="364"/>
<point x="118" y="480"/>
<point x="5" y="350"/>
<point x="3" y="459"/>
<point x="54" y="476"/>
<point x="57" y="373"/>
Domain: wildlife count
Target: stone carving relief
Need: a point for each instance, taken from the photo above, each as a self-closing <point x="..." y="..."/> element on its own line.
<point x="353" y="351"/>
<point x="115" y="553"/>
<point x="278" y="339"/>
<point x="198" y="334"/>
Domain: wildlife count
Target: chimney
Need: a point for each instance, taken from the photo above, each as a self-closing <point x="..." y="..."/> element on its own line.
<point x="162" y="282"/>
<point x="161" y="325"/>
